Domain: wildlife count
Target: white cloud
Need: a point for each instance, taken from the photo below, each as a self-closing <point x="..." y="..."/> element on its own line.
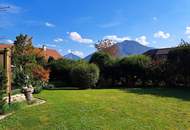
<point x="58" y="40"/>
<point x="78" y="53"/>
<point x="161" y="34"/>
<point x="78" y="38"/>
<point x="187" y="32"/>
<point x="142" y="40"/>
<point x="49" y="24"/>
<point x="8" y="41"/>
<point x="116" y="38"/>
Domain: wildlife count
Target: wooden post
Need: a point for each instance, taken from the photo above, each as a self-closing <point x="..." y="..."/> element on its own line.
<point x="5" y="60"/>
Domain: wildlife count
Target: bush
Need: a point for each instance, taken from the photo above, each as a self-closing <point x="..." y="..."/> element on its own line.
<point x="49" y="86"/>
<point x="7" y="108"/>
<point x="157" y="73"/>
<point x="60" y="70"/>
<point x="179" y="62"/>
<point x="101" y="59"/>
<point x="85" y="75"/>
<point x="38" y="86"/>
<point x="133" y="68"/>
<point x="105" y="63"/>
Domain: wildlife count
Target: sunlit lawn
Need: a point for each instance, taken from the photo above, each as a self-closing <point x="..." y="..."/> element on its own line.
<point x="135" y="109"/>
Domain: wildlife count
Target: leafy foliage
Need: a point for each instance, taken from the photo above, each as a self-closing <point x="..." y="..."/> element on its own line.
<point x="28" y="61"/>
<point x="133" y="68"/>
<point x="105" y="63"/>
<point x="85" y="75"/>
<point x="101" y="59"/>
<point x="107" y="46"/>
<point x="179" y="62"/>
<point x="60" y="70"/>
<point x="128" y="71"/>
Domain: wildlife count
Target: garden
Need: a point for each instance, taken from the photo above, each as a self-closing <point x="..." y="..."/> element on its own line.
<point x="134" y="92"/>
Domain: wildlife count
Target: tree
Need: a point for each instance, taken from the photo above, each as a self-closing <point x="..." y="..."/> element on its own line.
<point x="23" y="51"/>
<point x="102" y="44"/>
<point x="22" y="58"/>
<point x="28" y="61"/>
<point x="107" y="46"/>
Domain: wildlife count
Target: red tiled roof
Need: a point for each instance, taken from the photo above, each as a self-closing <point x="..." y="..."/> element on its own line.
<point x="52" y="53"/>
<point x="2" y="46"/>
<point x="48" y="53"/>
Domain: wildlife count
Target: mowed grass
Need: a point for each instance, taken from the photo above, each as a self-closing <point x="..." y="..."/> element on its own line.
<point x="112" y="109"/>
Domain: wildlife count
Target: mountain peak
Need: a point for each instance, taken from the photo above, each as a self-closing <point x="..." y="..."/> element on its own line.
<point x="72" y="56"/>
<point x="130" y="47"/>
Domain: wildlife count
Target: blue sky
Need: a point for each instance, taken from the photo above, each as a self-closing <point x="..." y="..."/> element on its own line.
<point x="75" y="25"/>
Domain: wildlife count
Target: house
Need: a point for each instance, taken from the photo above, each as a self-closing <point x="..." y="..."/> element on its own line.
<point x="47" y="53"/>
<point x="158" y="54"/>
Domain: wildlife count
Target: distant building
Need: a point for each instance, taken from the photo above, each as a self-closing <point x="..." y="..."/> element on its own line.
<point x="158" y="54"/>
<point x="44" y="50"/>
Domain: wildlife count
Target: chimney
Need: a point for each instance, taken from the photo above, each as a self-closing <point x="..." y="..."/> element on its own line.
<point x="44" y="47"/>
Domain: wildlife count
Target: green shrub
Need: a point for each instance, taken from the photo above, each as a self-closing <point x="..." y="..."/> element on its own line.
<point x="85" y="75"/>
<point x="178" y="65"/>
<point x="7" y="108"/>
<point x="60" y="71"/>
<point x="133" y="68"/>
<point x="101" y="59"/>
<point x="105" y="63"/>
<point x="37" y="89"/>
<point x="38" y="86"/>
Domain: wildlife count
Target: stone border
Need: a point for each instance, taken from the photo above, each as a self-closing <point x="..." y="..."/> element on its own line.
<point x="4" y="116"/>
<point x="39" y="102"/>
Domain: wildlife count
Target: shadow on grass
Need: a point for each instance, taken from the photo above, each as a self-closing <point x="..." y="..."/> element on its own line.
<point x="180" y="93"/>
<point x="62" y="88"/>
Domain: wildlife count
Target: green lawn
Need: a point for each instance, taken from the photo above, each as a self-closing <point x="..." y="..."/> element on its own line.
<point x="132" y="109"/>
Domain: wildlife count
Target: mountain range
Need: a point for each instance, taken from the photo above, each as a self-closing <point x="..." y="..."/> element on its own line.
<point x="125" y="48"/>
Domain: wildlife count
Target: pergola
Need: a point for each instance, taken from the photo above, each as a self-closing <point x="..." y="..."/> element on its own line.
<point x="5" y="62"/>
